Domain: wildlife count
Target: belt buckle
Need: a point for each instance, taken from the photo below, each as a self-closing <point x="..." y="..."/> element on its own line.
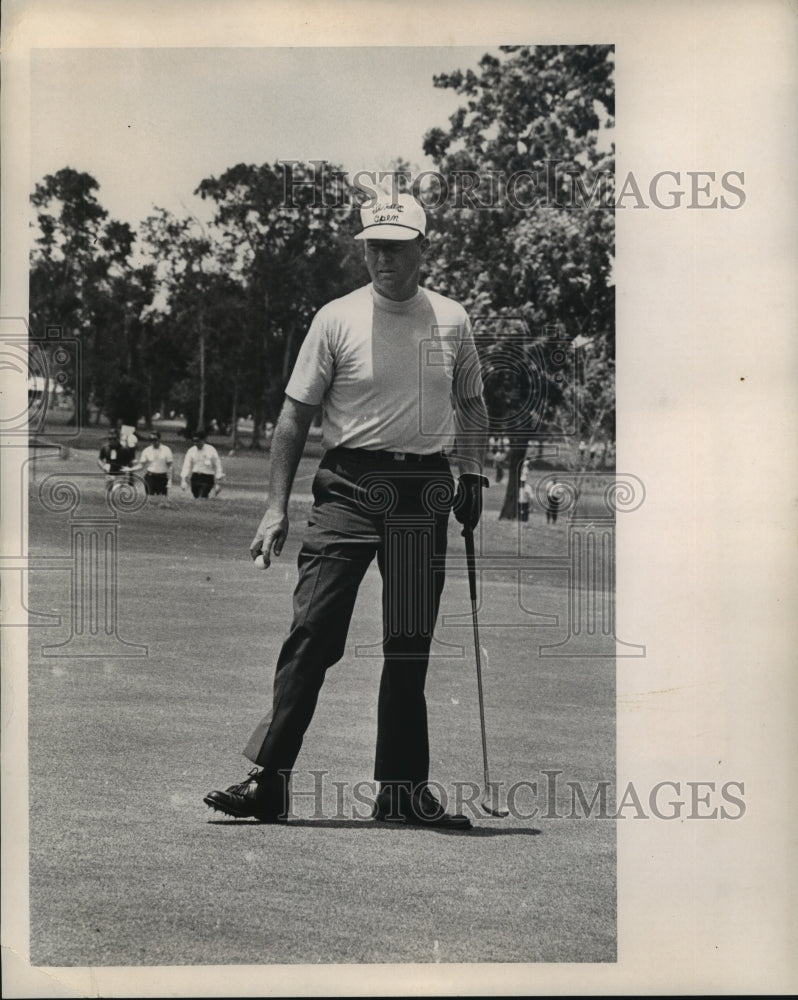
<point x="399" y="456"/>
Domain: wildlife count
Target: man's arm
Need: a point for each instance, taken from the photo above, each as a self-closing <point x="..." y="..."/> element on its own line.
<point x="185" y="471"/>
<point x="288" y="442"/>
<point x="470" y="412"/>
<point x="471" y="421"/>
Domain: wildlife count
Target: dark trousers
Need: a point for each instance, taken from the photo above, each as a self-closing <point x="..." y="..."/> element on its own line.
<point x="156" y="483"/>
<point x="201" y="485"/>
<point x="364" y="506"/>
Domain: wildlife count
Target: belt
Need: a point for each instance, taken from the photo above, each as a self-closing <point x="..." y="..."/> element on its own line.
<point x="378" y="455"/>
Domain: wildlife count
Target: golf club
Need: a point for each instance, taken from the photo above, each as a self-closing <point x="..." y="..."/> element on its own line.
<point x="485" y="805"/>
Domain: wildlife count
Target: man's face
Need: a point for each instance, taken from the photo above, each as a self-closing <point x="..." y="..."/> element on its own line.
<point x="198" y="442"/>
<point x="155" y="442"/>
<point x="394" y="266"/>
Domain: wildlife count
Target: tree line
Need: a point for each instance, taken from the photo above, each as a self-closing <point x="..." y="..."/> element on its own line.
<point x="206" y="318"/>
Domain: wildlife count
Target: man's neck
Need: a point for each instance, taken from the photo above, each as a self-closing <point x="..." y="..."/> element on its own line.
<point x="398" y="298"/>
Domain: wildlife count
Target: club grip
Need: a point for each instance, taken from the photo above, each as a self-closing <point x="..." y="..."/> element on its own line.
<point x="468" y="535"/>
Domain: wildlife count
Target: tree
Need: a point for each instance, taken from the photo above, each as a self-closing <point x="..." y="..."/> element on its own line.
<point x="285" y="233"/>
<point x="120" y="360"/>
<point x="194" y="294"/>
<point x="82" y="280"/>
<point x="527" y="232"/>
<point x="595" y="405"/>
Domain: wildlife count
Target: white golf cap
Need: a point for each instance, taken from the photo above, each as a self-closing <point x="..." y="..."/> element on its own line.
<point x="392" y="218"/>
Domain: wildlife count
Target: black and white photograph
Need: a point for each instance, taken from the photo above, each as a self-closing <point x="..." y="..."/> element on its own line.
<point x="398" y="507"/>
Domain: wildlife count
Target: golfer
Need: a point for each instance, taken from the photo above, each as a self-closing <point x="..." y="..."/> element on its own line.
<point x="524" y="500"/>
<point x="554" y="495"/>
<point x="394" y="368"/>
<point x="117" y="460"/>
<point x="157" y="461"/>
<point x="202" y="467"/>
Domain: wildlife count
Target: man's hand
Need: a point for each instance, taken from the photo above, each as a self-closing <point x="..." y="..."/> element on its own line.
<point x="467" y="506"/>
<point x="288" y="440"/>
<point x="270" y="536"/>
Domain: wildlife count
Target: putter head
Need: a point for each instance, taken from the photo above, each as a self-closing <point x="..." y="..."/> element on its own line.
<point x="489" y="803"/>
<point x="490" y="811"/>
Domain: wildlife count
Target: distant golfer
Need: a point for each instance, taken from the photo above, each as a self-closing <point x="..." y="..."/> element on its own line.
<point x="394" y="368"/>
<point x="524" y="500"/>
<point x="116" y="460"/>
<point x="202" y="467"/>
<point x="157" y="460"/>
<point x="553" y="501"/>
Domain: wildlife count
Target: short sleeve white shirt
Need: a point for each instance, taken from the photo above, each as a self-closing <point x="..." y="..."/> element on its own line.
<point x="157" y="460"/>
<point x="386" y="372"/>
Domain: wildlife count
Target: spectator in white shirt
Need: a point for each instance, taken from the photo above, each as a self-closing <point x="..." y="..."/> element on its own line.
<point x="156" y="460"/>
<point x="202" y="468"/>
<point x="524" y="500"/>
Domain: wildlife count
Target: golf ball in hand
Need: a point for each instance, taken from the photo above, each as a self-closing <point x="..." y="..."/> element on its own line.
<point x="260" y="562"/>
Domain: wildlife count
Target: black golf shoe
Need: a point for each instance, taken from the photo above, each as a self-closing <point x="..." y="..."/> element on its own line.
<point x="421" y="808"/>
<point x="250" y="799"/>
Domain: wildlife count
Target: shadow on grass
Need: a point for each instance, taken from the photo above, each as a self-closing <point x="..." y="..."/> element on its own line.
<point x="365" y="824"/>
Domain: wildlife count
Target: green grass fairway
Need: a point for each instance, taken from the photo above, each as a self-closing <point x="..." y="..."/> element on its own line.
<point x="129" y="867"/>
